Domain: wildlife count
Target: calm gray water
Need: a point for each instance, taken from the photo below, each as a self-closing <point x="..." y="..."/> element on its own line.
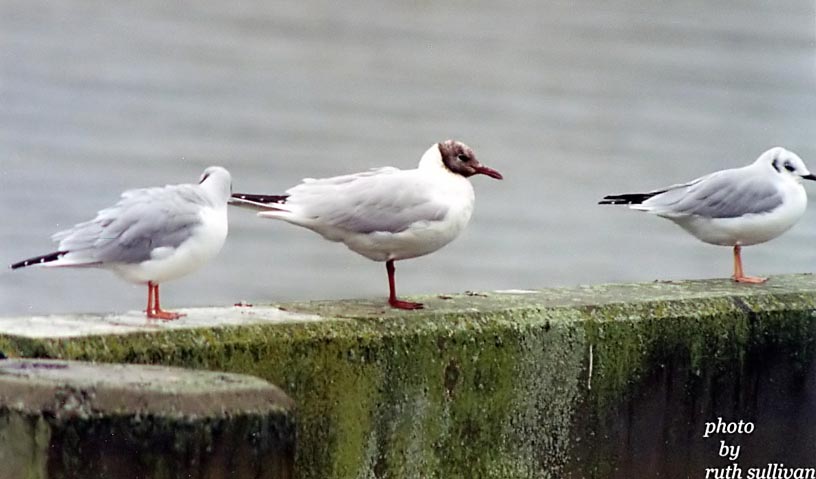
<point x="569" y="100"/>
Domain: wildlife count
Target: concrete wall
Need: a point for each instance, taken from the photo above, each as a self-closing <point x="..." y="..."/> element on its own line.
<point x="499" y="385"/>
<point x="80" y="420"/>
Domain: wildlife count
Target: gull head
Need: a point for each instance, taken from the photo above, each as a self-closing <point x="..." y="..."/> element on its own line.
<point x="458" y="158"/>
<point x="218" y="183"/>
<point x="786" y="163"/>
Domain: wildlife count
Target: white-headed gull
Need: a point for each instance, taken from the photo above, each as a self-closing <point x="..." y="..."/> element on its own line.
<point x="736" y="207"/>
<point x="150" y="236"/>
<point x="385" y="214"/>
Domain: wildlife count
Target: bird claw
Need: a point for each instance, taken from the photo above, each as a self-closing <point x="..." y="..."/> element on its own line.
<point x="749" y="279"/>
<point x="408" y="305"/>
<point x="164" y="315"/>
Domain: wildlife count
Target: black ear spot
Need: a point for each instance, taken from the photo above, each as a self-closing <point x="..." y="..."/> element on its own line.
<point x="204" y="178"/>
<point x="775" y="165"/>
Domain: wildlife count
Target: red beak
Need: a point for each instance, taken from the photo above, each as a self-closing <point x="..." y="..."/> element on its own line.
<point x="483" y="170"/>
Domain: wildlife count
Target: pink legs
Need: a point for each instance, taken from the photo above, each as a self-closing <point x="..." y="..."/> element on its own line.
<point x="153" y="310"/>
<point x="739" y="277"/>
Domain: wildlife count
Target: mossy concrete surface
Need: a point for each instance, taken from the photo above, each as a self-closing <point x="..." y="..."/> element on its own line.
<point x="600" y="381"/>
<point x="67" y="419"/>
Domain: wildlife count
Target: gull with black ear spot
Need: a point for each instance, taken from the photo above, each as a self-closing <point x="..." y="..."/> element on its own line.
<point x="736" y="207"/>
<point x="385" y="214"/>
<point x="150" y="236"/>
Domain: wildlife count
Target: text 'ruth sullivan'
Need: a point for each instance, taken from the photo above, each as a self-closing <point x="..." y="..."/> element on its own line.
<point x="771" y="471"/>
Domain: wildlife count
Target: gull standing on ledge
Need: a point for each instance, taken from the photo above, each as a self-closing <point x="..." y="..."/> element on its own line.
<point x="150" y="236"/>
<point x="385" y="214"/>
<point x="736" y="207"/>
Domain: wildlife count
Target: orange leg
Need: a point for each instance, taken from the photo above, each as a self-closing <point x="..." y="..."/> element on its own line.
<point x="392" y="296"/>
<point x="149" y="309"/>
<point x="739" y="277"/>
<point x="154" y="310"/>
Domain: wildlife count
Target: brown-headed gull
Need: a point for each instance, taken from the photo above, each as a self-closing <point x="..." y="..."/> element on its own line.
<point x="736" y="207"/>
<point x="150" y="236"/>
<point x="385" y="214"/>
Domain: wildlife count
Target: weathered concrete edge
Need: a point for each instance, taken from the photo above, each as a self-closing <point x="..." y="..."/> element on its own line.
<point x="75" y="325"/>
<point x="88" y="389"/>
<point x="595" y="296"/>
<point x="556" y="302"/>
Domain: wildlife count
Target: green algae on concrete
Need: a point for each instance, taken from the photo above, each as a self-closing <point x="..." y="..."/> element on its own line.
<point x="65" y="419"/>
<point x="601" y="381"/>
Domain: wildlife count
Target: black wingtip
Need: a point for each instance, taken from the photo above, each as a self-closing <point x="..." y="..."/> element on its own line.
<point x="609" y="200"/>
<point x="46" y="258"/>
<point x="263" y="199"/>
<point x="628" y="198"/>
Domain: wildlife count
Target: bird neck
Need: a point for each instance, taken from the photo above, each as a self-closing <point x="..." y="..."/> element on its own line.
<point x="431" y="162"/>
<point x="217" y="191"/>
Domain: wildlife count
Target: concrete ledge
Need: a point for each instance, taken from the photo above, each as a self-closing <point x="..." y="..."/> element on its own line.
<point x="65" y="419"/>
<point x="500" y="385"/>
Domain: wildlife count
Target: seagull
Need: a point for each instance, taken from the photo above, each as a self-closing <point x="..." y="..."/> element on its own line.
<point x="385" y="214"/>
<point x="735" y="207"/>
<point x="150" y="236"/>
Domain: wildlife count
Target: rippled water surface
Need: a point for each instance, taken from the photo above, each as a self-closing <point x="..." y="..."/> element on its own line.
<point x="569" y="100"/>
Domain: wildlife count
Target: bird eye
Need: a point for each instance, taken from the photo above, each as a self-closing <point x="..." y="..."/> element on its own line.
<point x="204" y="178"/>
<point x="463" y="158"/>
<point x="789" y="166"/>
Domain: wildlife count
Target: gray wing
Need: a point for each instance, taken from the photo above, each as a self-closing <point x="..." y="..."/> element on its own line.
<point x="143" y="220"/>
<point x="387" y="199"/>
<point x="724" y="194"/>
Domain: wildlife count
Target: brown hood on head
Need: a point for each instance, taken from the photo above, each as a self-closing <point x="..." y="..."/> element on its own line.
<point x="460" y="159"/>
